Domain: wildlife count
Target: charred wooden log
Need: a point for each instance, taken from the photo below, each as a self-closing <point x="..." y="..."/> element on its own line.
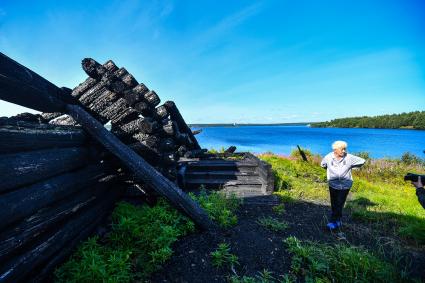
<point x="230" y="150"/>
<point x="136" y="94"/>
<point x="19" y="268"/>
<point x="195" y="153"/>
<point x="195" y="132"/>
<point x="25" y="201"/>
<point x="184" y="128"/>
<point x="16" y="139"/>
<point x="152" y="98"/>
<point x="93" y="69"/>
<point x="46" y="219"/>
<point x="20" y="169"/>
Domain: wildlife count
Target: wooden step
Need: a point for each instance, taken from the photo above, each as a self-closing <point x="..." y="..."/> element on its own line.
<point x="221" y="166"/>
<point x="231" y="175"/>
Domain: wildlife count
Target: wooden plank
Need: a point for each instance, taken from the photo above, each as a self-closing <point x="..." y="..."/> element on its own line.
<point x="142" y="169"/>
<point x="22" y="86"/>
<point x="19" y="204"/>
<point x="20" y="267"/>
<point x="16" y="139"/>
<point x="47" y="218"/>
<point x="183" y="127"/>
<point x="19" y="169"/>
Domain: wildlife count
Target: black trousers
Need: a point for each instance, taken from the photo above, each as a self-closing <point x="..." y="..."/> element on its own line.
<point x="338" y="198"/>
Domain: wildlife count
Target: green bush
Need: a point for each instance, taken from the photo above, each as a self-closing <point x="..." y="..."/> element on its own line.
<point x="140" y="241"/>
<point x="218" y="206"/>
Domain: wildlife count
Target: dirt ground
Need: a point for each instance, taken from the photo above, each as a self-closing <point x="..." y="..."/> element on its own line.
<point x="258" y="248"/>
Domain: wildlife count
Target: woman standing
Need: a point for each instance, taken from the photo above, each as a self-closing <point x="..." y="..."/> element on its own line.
<point x="338" y="164"/>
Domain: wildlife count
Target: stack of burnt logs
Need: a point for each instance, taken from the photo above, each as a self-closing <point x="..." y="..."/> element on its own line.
<point x="158" y="133"/>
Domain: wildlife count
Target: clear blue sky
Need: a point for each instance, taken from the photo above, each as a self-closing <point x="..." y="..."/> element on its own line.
<point x="234" y="61"/>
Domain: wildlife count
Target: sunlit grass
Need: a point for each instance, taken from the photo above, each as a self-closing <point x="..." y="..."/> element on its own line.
<point x="379" y="193"/>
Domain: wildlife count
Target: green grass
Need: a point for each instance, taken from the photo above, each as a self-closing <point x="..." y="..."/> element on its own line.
<point x="140" y="241"/>
<point x="338" y="263"/>
<point x="272" y="224"/>
<point x="219" y="207"/>
<point x="379" y="194"/>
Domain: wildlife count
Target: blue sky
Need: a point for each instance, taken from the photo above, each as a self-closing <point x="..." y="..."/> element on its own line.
<point x="234" y="61"/>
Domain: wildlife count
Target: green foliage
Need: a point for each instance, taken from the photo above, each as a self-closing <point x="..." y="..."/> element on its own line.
<point x="218" y="207"/>
<point x="279" y="209"/>
<point x="95" y="263"/>
<point x="222" y="256"/>
<point x="272" y="224"/>
<point x="140" y="239"/>
<point x="338" y="263"/>
<point x="264" y="276"/>
<point x="415" y="120"/>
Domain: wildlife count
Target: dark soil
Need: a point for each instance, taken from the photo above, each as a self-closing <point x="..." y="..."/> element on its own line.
<point x="258" y="248"/>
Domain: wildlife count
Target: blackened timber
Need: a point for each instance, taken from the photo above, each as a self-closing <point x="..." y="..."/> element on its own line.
<point x="49" y="116"/>
<point x="17" y="139"/>
<point x="18" y="268"/>
<point x="105" y="100"/>
<point x="152" y="98"/>
<point x="136" y="94"/>
<point x="19" y="204"/>
<point x="46" y="219"/>
<point x="22" y="86"/>
<point x="20" y="169"/>
<point x="142" y="169"/>
<point x="93" y="69"/>
<point x="176" y="116"/>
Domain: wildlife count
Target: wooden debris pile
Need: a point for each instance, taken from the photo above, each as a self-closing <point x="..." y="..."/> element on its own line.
<point x="156" y="132"/>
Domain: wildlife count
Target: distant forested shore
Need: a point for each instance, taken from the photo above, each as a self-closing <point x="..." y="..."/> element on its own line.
<point x="411" y="120"/>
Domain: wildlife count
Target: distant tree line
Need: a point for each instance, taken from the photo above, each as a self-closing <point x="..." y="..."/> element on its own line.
<point x="413" y="120"/>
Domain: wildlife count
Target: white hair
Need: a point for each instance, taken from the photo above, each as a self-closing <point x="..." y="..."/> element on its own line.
<point x="339" y="144"/>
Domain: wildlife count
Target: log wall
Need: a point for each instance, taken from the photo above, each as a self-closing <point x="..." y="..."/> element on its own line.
<point x="54" y="192"/>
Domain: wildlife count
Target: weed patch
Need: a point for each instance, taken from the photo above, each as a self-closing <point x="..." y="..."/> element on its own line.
<point x="218" y="206"/>
<point x="339" y="263"/>
<point x="140" y="241"/>
<point x="272" y="224"/>
<point x="222" y="256"/>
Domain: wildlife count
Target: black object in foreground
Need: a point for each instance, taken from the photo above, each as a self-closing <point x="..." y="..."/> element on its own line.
<point x="22" y="86"/>
<point x="414" y="177"/>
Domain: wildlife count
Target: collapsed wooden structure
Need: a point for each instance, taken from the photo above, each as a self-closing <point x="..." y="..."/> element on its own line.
<point x="61" y="174"/>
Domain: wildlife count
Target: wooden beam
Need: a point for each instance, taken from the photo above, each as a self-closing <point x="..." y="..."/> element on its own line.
<point x="19" y="169"/>
<point x="16" y="139"/>
<point x="24" y="202"/>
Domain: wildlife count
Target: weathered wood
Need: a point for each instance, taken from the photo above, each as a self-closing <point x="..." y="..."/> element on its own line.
<point x="135" y="95"/>
<point x="49" y="116"/>
<point x="148" y="125"/>
<point x="125" y="116"/>
<point x="142" y="169"/>
<point x="22" y="86"/>
<point x="25" y="201"/>
<point x="144" y="108"/>
<point x="302" y="154"/>
<point x="18" y="268"/>
<point x="162" y="112"/>
<point x="105" y="100"/>
<point x="20" y="169"/>
<point x="64" y="120"/>
<point x="195" y="153"/>
<point x="150" y="141"/>
<point x="115" y="110"/>
<point x="47" y="218"/>
<point x="93" y="69"/>
<point x="230" y="150"/>
<point x="152" y="98"/>
<point x="83" y="87"/>
<point x="183" y="127"/>
<point x="16" y="139"/>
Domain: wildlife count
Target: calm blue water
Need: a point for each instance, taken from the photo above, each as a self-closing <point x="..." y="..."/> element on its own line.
<point x="282" y="139"/>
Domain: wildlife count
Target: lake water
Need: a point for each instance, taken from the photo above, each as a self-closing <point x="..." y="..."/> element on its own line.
<point x="283" y="139"/>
